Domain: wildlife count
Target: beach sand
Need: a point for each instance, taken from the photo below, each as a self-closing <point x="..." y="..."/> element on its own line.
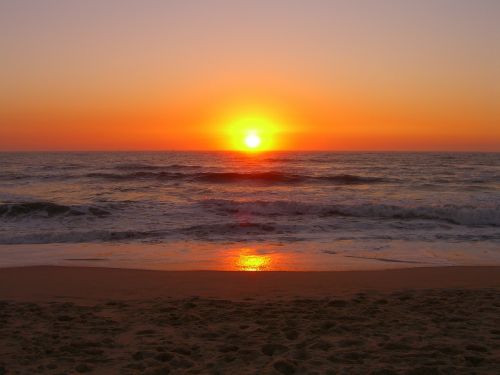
<point x="66" y="320"/>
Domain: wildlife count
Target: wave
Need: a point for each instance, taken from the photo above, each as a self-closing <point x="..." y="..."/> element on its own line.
<point x="271" y="177"/>
<point x="235" y="229"/>
<point x="279" y="177"/>
<point x="78" y="237"/>
<point x="284" y="160"/>
<point x="353" y="179"/>
<point x="14" y="177"/>
<point x="205" y="232"/>
<point x="47" y="209"/>
<point x="70" y="166"/>
<point x="233" y="177"/>
<point x="316" y="160"/>
<point x="452" y="214"/>
<point x="387" y="260"/>
<point x="152" y="167"/>
<point x="138" y="176"/>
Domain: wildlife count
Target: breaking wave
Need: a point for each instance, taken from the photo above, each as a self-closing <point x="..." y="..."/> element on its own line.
<point x="138" y="176"/>
<point x="453" y="214"/>
<point x="78" y="237"/>
<point x="151" y="167"/>
<point x="206" y="232"/>
<point x="226" y="230"/>
<point x="235" y="177"/>
<point x="47" y="209"/>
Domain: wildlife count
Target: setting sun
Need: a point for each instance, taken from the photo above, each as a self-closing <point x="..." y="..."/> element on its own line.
<point x="252" y="132"/>
<point x="252" y="140"/>
<point x="253" y="262"/>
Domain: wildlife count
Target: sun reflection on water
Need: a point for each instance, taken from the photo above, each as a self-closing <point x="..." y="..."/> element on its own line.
<point x="252" y="262"/>
<point x="250" y="259"/>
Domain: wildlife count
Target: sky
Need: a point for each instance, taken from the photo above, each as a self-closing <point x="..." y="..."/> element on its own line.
<point x="312" y="74"/>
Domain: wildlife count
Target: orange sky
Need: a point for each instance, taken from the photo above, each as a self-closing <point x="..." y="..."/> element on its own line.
<point x="328" y="75"/>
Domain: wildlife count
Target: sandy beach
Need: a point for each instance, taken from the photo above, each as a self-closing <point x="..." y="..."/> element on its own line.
<point x="65" y="320"/>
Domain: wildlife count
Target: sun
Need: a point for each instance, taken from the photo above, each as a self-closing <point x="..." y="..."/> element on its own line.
<point x="251" y="133"/>
<point x="252" y="129"/>
<point x="252" y="141"/>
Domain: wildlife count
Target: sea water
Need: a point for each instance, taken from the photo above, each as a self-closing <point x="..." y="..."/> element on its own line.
<point x="254" y="211"/>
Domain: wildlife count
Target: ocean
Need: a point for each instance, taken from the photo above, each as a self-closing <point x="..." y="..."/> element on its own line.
<point x="256" y="211"/>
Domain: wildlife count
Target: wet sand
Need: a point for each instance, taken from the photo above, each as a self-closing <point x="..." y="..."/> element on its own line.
<point x="65" y="320"/>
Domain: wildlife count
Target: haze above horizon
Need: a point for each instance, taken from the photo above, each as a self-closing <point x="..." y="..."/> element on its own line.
<point x="261" y="75"/>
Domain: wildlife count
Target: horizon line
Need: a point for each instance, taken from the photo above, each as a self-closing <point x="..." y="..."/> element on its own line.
<point x="252" y="152"/>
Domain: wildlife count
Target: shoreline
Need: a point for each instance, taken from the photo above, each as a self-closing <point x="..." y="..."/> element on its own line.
<point x="42" y="283"/>
<point x="202" y="255"/>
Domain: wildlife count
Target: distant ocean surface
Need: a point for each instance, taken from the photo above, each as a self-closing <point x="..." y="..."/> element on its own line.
<point x="280" y="210"/>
